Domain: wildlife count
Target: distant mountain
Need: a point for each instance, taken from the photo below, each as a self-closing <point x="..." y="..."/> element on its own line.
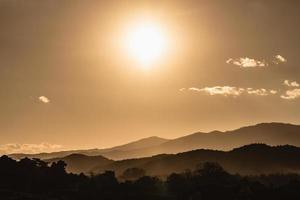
<point x="77" y="163"/>
<point x="139" y="144"/>
<point x="249" y="159"/>
<point x="59" y="154"/>
<point x="132" y="146"/>
<point x="268" y="133"/>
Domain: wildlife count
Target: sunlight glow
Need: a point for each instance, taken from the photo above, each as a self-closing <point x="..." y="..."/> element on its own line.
<point x="146" y="43"/>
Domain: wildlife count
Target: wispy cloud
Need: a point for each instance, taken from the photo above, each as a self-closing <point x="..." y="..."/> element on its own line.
<point x="247" y="62"/>
<point x="273" y="91"/>
<point x="194" y="89"/>
<point x="291" y="83"/>
<point x="291" y="94"/>
<point x="231" y="91"/>
<point x="44" y="99"/>
<point x="29" y="148"/>
<point x="261" y="91"/>
<point x="222" y="90"/>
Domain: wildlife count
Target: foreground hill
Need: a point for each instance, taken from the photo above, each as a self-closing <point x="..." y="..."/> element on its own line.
<point x="268" y="133"/>
<point x="249" y="159"/>
<point x="32" y="179"/>
<point x="246" y="160"/>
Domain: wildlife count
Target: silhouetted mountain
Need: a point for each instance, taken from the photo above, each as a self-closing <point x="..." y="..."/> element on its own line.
<point x="268" y="133"/>
<point x="249" y="159"/>
<point x="77" y="163"/>
<point x="139" y="144"/>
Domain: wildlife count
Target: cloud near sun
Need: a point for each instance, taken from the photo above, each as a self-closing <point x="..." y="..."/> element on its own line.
<point x="246" y="62"/>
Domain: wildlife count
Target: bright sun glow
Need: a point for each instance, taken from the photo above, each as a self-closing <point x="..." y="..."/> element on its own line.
<point x="146" y="43"/>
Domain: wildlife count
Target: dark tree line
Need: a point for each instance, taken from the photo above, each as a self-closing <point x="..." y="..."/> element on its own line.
<point x="37" y="180"/>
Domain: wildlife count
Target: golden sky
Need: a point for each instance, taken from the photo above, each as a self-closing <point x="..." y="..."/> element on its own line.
<point x="70" y="79"/>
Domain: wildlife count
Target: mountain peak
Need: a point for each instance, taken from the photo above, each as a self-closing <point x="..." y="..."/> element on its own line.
<point x="152" y="138"/>
<point x="140" y="144"/>
<point x="271" y="124"/>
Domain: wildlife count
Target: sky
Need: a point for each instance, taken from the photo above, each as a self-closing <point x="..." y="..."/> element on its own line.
<point x="67" y="82"/>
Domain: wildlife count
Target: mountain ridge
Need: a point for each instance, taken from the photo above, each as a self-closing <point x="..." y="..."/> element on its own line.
<point x="252" y="159"/>
<point x="273" y="133"/>
<point x="151" y="141"/>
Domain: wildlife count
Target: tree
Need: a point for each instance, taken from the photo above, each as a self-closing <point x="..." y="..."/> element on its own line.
<point x="133" y="173"/>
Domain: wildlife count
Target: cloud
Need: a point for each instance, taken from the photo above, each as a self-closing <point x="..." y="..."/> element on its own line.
<point x="247" y="62"/>
<point x="44" y="99"/>
<point x="273" y="91"/>
<point x="216" y="90"/>
<point x="261" y="91"/>
<point x="291" y="83"/>
<point x="291" y="94"/>
<point x="195" y="89"/>
<point x="231" y="91"/>
<point x="279" y="59"/>
<point x="29" y="148"/>
<point x="222" y="90"/>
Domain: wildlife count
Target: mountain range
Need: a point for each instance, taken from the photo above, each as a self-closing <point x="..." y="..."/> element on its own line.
<point x="267" y="133"/>
<point x="246" y="160"/>
<point x="251" y="159"/>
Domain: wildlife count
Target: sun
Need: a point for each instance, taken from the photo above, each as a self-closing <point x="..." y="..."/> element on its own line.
<point x="146" y="43"/>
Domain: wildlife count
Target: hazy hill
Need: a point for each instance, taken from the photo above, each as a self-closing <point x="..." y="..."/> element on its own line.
<point x="139" y="144"/>
<point x="268" y="133"/>
<point x="249" y="159"/>
<point x="78" y="163"/>
<point x="59" y="154"/>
